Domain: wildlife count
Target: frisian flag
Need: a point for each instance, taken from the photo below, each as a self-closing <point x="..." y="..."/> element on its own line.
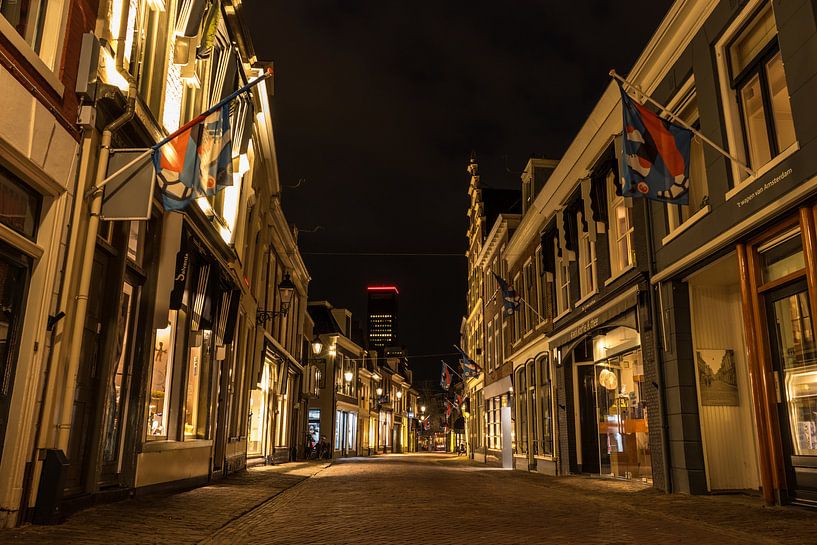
<point x="198" y="162"/>
<point x="655" y="155"/>
<point x="510" y="300"/>
<point x="445" y="377"/>
<point x="470" y="368"/>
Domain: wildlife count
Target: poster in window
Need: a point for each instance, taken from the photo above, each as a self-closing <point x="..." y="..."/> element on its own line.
<point x="717" y="377"/>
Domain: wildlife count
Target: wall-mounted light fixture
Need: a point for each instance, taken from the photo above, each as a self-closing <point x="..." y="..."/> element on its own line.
<point x="285" y="289"/>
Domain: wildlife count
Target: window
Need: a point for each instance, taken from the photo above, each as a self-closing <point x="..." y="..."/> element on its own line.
<point x="686" y="108"/>
<point x="587" y="261"/>
<point x="540" y="294"/>
<point x="494" y="423"/>
<point x="490" y="346"/>
<point x="758" y="80"/>
<point x="562" y="280"/>
<point x="38" y="23"/>
<point x="161" y="381"/>
<point x="498" y="356"/>
<point x="621" y="230"/>
<point x="197" y="399"/>
<point x="19" y="205"/>
<point x="544" y="441"/>
<point x="521" y="411"/>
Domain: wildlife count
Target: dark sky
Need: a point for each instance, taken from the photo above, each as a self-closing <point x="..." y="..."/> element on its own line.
<point x="378" y="105"/>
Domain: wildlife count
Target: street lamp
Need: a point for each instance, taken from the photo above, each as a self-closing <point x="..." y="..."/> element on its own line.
<point x="285" y="290"/>
<point x="348" y="376"/>
<point x="317" y="345"/>
<point x="379" y="391"/>
<point x="399" y="394"/>
<point x="422" y="409"/>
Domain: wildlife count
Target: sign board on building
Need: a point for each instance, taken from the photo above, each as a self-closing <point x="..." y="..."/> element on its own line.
<point x="129" y="194"/>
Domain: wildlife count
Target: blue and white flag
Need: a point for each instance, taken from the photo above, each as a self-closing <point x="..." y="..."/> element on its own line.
<point x="510" y="300"/>
<point x="470" y="369"/>
<point x="654" y="156"/>
<point x="197" y="162"/>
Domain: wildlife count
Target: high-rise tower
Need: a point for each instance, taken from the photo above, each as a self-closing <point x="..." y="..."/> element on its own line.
<point x="382" y="326"/>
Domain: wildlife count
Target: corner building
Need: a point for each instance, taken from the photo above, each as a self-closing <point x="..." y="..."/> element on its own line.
<point x="736" y="272"/>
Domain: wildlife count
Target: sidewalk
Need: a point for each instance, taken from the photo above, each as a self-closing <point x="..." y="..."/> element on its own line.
<point x="184" y="517"/>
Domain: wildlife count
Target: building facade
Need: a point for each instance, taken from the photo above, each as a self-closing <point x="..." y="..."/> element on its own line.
<point x="382" y="317"/>
<point x="162" y="322"/>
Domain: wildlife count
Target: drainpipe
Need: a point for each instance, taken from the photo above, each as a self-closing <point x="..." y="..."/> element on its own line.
<point x="86" y="267"/>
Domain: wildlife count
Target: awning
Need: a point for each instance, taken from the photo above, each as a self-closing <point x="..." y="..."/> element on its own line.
<point x="499" y="387"/>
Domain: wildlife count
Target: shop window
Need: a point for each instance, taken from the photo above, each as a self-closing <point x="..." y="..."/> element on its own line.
<point x="197" y="399"/>
<point x="587" y="261"/>
<point x="544" y="443"/>
<point x="621" y="405"/>
<point x="521" y="411"/>
<point x="758" y="80"/>
<point x="782" y="256"/>
<point x="19" y="205"/>
<point x="686" y="108"/>
<point x="159" y="408"/>
<point x="621" y="230"/>
<point x="13" y="287"/>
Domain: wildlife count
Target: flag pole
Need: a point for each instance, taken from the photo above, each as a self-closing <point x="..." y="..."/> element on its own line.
<point x="452" y="369"/>
<point x="679" y="121"/>
<point x="193" y="122"/>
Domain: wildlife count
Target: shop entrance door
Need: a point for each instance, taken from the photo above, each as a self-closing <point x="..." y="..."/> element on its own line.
<point x="794" y="360"/>
<point x="118" y="385"/>
<point x="588" y="418"/>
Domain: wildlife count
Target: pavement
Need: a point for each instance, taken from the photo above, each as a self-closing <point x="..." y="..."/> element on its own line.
<point x="426" y="498"/>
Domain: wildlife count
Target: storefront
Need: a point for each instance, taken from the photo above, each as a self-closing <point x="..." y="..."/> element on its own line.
<point x="780" y="300"/>
<point x="345" y="432"/>
<point x="604" y="394"/>
<point x="185" y="371"/>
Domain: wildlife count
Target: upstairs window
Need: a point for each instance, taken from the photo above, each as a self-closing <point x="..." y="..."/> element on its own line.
<point x="587" y="260"/>
<point x="757" y="78"/>
<point x="562" y="280"/>
<point x="621" y="230"/>
<point x="686" y="108"/>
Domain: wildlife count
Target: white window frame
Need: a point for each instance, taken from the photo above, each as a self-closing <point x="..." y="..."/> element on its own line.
<point x="539" y="285"/>
<point x="489" y="347"/>
<point x="616" y="201"/>
<point x="685" y="94"/>
<point x="562" y="281"/>
<point x="731" y="113"/>
<point x="47" y="62"/>
<point x="587" y="261"/>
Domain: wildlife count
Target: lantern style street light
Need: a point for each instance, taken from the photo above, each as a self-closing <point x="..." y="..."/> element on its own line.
<point x="348" y="376"/>
<point x="399" y="394"/>
<point x="422" y="409"/>
<point x="317" y="345"/>
<point x="379" y="391"/>
<point x="285" y="290"/>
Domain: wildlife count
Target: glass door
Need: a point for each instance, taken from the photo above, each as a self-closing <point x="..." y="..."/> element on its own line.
<point x="794" y="360"/>
<point x="623" y="430"/>
<point x="118" y="384"/>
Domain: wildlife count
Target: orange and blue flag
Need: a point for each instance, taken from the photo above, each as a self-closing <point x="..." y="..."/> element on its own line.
<point x="197" y="162"/>
<point x="470" y="368"/>
<point x="655" y="155"/>
<point x="445" y="377"/>
<point x="510" y="300"/>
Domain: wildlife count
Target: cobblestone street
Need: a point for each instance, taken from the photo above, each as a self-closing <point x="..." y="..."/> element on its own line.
<point x="424" y="499"/>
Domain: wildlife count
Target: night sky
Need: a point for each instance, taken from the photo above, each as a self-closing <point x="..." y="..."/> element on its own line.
<point x="378" y="105"/>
